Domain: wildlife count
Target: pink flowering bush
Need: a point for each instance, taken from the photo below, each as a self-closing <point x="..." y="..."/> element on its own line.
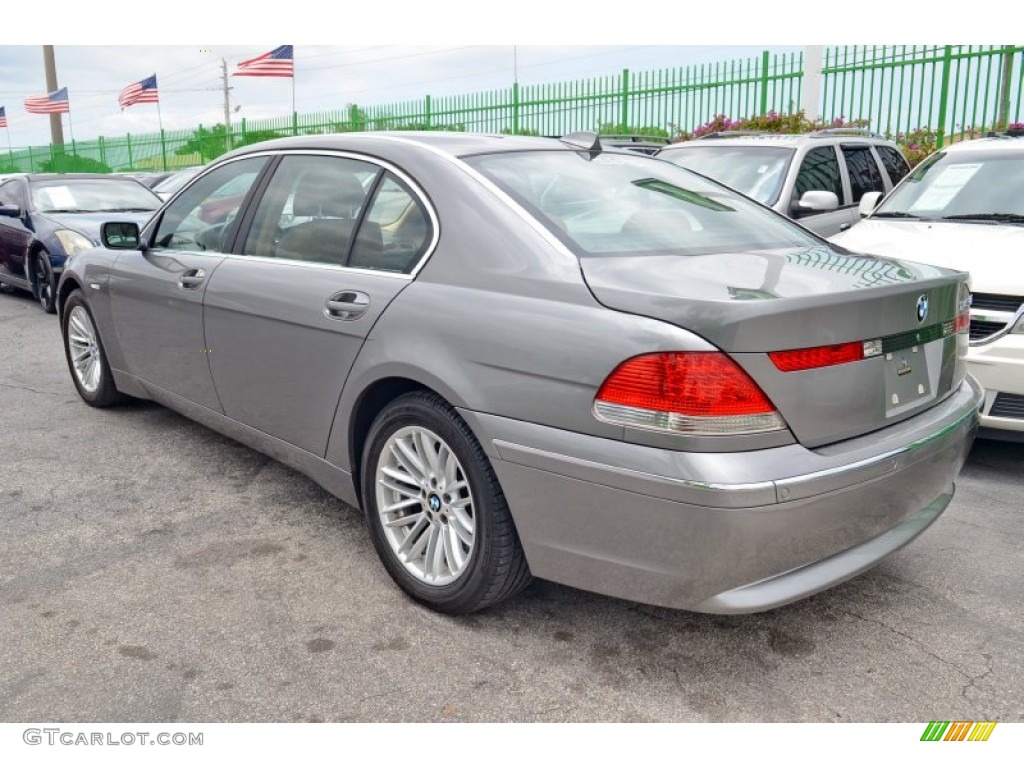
<point x="772" y="122"/>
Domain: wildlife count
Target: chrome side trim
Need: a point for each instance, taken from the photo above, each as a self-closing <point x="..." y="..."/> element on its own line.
<point x="435" y="225"/>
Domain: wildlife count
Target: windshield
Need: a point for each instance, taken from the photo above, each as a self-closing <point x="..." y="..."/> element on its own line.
<point x="618" y="203"/>
<point x="984" y="185"/>
<point x="92" y="195"/>
<point x="757" y="172"/>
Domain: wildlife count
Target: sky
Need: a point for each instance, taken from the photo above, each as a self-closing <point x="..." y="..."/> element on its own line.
<point x="328" y="77"/>
<point x="373" y="53"/>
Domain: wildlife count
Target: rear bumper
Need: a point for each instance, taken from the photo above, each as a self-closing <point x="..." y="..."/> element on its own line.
<point x="724" y="533"/>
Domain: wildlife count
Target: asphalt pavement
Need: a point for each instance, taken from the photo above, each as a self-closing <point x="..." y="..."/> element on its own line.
<point x="154" y="571"/>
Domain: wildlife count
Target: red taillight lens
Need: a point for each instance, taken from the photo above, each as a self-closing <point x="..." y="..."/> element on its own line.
<point x="688" y="392"/>
<point x="962" y="322"/>
<point x="817" y="357"/>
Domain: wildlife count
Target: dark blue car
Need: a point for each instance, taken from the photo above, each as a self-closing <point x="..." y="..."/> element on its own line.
<point x="47" y="217"/>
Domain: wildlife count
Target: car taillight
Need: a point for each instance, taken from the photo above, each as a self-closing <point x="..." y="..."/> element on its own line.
<point x="818" y="357"/>
<point x="691" y="393"/>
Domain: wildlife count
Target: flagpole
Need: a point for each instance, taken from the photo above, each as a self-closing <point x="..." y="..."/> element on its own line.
<point x="10" y="152"/>
<point x="295" y="117"/>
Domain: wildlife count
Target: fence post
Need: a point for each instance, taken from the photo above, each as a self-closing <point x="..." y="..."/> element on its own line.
<point x="625" y="102"/>
<point x="515" y="108"/>
<point x="131" y="163"/>
<point x="163" y="149"/>
<point x="243" y="132"/>
<point x="199" y="135"/>
<point x="31" y="161"/>
<point x="295" y="123"/>
<point x="764" y="82"/>
<point x="103" y="150"/>
<point x="947" y="60"/>
<point x="426" y="102"/>
<point x="1003" y="110"/>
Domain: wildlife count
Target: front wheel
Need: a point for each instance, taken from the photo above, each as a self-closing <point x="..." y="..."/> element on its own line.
<point x="44" y="282"/>
<point x="86" y="357"/>
<point x="436" y="513"/>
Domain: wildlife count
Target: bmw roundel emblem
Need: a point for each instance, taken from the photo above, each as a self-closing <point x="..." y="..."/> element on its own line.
<point x="435" y="503"/>
<point x="922" y="308"/>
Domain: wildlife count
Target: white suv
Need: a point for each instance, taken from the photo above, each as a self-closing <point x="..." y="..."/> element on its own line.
<point x="815" y="178"/>
<point x="963" y="208"/>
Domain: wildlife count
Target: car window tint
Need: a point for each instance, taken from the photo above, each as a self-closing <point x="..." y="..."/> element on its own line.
<point x="200" y="218"/>
<point x="863" y="170"/>
<point x="758" y="172"/>
<point x="394" y="233"/>
<point x="895" y="164"/>
<point x="310" y="209"/>
<point x="819" y="172"/>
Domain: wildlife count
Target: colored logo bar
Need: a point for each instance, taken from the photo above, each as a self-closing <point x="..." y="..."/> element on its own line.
<point x="959" y="730"/>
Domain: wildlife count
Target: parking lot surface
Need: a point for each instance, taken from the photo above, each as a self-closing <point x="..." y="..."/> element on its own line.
<point x="152" y="570"/>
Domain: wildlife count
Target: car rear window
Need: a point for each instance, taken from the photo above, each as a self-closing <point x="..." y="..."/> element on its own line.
<point x="618" y="203"/>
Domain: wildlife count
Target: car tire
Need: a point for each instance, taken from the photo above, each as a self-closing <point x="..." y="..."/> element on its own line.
<point x="44" y="286"/>
<point x="86" y="357"/>
<point x="436" y="513"/>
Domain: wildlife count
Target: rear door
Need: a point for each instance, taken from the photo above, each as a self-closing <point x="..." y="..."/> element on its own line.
<point x="864" y="174"/>
<point x="332" y="241"/>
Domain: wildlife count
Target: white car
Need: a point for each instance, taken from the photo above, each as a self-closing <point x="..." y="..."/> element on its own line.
<point x="963" y="208"/>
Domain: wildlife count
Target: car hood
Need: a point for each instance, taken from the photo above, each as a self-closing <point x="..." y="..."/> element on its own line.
<point x="89" y="224"/>
<point x="993" y="254"/>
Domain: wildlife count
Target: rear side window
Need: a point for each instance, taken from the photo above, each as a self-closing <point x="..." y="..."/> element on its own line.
<point x="819" y="172"/>
<point x="863" y="170"/>
<point x="311" y="209"/>
<point x="395" y="232"/>
<point x="895" y="164"/>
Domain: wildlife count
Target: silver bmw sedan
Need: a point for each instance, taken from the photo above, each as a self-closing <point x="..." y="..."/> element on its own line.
<point x="539" y="357"/>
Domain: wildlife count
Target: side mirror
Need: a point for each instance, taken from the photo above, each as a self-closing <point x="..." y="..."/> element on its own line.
<point x="868" y="202"/>
<point x="12" y="211"/>
<point x="121" y="235"/>
<point x="817" y="201"/>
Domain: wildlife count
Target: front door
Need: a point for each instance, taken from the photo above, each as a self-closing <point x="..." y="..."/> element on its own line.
<point x="157" y="294"/>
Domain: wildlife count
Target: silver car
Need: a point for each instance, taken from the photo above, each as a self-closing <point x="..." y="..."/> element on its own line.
<point x="536" y="357"/>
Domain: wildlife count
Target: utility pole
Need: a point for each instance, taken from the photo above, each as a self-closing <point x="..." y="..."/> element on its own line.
<point x="227" y="104"/>
<point x="1005" y="82"/>
<point x="56" y="126"/>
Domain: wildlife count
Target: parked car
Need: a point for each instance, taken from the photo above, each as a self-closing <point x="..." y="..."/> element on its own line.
<point x="46" y="217"/>
<point x="147" y="178"/>
<point x="530" y="356"/>
<point x="171" y="183"/>
<point x="815" y="178"/>
<point x="963" y="208"/>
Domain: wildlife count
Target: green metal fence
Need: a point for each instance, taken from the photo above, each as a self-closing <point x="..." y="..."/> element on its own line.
<point x="949" y="89"/>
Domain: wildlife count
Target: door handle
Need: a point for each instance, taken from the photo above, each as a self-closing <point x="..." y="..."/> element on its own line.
<point x="347" y="305"/>
<point x="845" y="226"/>
<point x="192" y="279"/>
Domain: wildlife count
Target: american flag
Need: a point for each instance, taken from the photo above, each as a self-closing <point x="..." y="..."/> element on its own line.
<point x="280" y="62"/>
<point x="49" y="104"/>
<point x="3" y="117"/>
<point x="142" y="92"/>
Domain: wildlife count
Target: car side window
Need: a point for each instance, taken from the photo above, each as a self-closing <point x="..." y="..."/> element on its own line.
<point x="310" y="209"/>
<point x="863" y="170"/>
<point x="200" y="219"/>
<point x="895" y="164"/>
<point x="819" y="172"/>
<point x="395" y="232"/>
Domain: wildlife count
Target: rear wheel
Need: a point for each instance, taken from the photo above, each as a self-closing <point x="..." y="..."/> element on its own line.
<point x="436" y="513"/>
<point x="43" y="281"/>
<point x="86" y="358"/>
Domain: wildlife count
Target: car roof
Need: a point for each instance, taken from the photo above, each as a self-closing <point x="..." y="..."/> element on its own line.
<point x="457" y="144"/>
<point x="749" y="138"/>
<point x="998" y="142"/>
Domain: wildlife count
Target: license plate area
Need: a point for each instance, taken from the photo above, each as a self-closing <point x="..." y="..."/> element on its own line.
<point x="911" y="376"/>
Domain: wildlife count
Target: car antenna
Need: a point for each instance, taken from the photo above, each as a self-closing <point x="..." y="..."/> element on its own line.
<point x="585" y="140"/>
